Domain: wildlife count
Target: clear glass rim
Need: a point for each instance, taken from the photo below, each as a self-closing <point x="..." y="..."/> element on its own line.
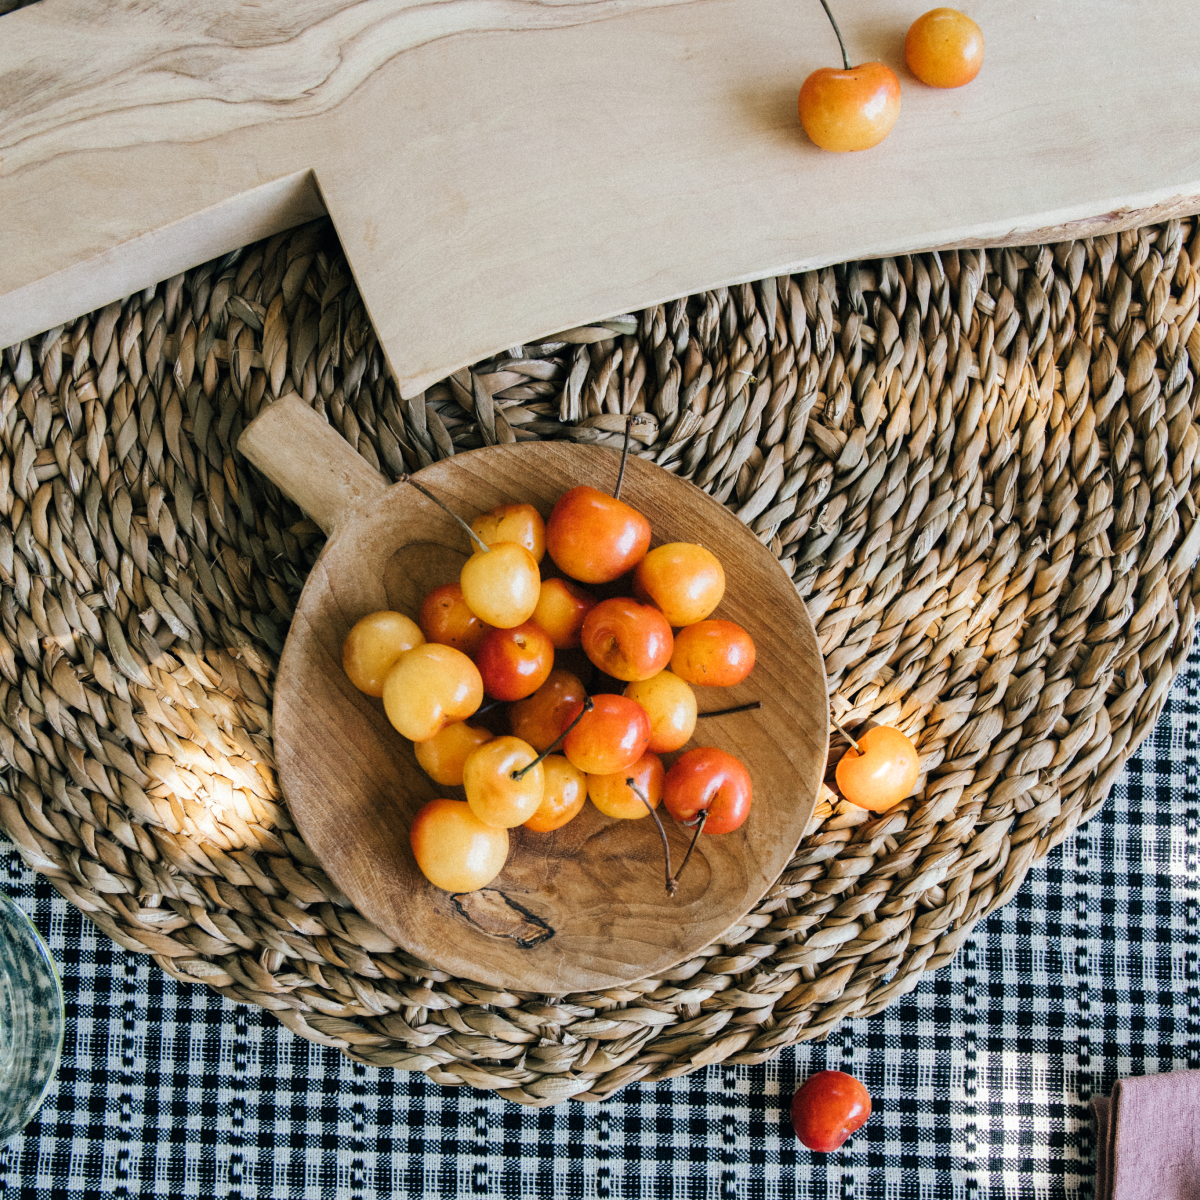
<point x="34" y="942"/>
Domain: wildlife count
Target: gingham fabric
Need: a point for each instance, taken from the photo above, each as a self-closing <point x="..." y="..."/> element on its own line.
<point x="980" y="1078"/>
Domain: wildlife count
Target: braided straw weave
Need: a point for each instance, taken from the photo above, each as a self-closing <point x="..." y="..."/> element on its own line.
<point x="977" y="467"/>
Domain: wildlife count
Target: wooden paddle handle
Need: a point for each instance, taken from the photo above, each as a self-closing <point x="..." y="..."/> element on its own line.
<point x="310" y="462"/>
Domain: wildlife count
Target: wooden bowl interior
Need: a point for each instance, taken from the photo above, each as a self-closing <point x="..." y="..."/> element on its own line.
<point x="583" y="907"/>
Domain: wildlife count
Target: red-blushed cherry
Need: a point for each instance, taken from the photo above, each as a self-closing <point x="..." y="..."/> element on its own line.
<point x="626" y="639"/>
<point x="709" y="780"/>
<point x="514" y="663"/>
<point x="447" y="619"/>
<point x="827" y="1108"/>
<point x="713" y="654"/>
<point x="595" y="538"/>
<point x="849" y="108"/>
<point x="611" y="737"/>
<point x="539" y="719"/>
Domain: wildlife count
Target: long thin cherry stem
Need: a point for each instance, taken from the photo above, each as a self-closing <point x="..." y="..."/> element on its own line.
<point x="588" y="705"/>
<point x="727" y="712"/>
<point x="671" y="885"/>
<point x="692" y="846"/>
<point x="428" y="494"/>
<point x="844" y="732"/>
<point x="845" y="56"/>
<point x="624" y="456"/>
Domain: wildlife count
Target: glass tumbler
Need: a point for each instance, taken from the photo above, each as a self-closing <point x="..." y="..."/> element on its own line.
<point x="31" y="1019"/>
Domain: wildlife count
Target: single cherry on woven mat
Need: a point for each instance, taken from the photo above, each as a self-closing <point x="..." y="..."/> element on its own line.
<point x="374" y="645"/>
<point x="828" y="1108"/>
<point x="879" y="769"/>
<point x="454" y="849"/>
<point x="849" y="108"/>
<point x="944" y="48"/>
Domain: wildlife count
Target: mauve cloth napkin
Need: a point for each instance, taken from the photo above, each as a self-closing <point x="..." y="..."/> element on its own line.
<point x="1149" y="1143"/>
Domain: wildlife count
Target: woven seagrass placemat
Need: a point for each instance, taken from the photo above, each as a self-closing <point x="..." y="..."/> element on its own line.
<point x="977" y="467"/>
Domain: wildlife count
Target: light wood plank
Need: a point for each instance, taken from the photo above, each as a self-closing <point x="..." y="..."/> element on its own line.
<point x="500" y="169"/>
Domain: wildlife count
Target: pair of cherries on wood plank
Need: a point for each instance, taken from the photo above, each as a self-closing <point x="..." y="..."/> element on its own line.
<point x="854" y="108"/>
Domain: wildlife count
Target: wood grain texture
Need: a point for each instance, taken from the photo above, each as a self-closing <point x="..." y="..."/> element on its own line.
<point x="501" y="169"/>
<point x="583" y="907"/>
<point x="306" y="458"/>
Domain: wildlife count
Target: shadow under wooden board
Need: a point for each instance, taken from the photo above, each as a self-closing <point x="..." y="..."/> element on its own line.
<point x="584" y="907"/>
<point x="499" y="170"/>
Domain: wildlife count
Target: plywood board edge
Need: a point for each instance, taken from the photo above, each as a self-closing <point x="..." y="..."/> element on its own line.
<point x="1053" y="226"/>
<point x="159" y="254"/>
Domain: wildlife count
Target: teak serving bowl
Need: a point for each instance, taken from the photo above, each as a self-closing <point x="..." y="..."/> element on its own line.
<point x="583" y="907"/>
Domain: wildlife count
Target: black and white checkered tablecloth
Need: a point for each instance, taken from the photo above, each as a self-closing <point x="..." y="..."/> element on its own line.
<point x="980" y="1078"/>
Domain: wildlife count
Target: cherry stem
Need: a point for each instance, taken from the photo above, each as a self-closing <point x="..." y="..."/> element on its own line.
<point x="695" y="838"/>
<point x="844" y="732"/>
<point x="630" y="421"/>
<point x="845" y="56"/>
<point x="725" y="712"/>
<point x="671" y="883"/>
<point x="624" y="457"/>
<point x="588" y="705"/>
<point x="427" y="493"/>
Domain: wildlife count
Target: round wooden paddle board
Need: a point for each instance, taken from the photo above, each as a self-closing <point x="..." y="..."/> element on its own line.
<point x="583" y="907"/>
